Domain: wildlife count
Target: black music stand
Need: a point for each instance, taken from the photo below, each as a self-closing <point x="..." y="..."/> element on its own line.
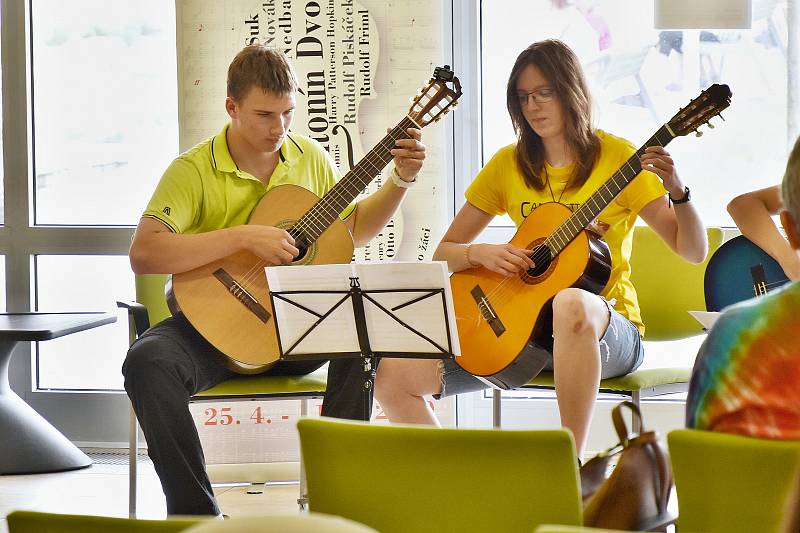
<point x="422" y="295"/>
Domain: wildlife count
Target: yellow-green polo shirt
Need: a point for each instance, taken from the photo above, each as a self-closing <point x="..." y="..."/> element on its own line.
<point x="203" y="190"/>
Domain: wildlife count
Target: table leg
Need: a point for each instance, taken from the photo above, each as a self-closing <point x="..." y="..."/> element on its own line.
<point x="29" y="444"/>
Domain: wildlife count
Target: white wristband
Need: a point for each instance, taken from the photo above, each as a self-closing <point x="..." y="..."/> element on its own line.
<point x="400" y="182"/>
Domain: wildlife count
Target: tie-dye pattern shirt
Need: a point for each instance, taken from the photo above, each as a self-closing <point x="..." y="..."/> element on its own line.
<point x="746" y="379"/>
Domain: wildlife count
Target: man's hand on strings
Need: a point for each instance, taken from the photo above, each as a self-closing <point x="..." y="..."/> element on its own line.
<point x="273" y="245"/>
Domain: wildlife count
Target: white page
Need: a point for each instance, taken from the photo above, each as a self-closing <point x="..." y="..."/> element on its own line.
<point x="706" y="318"/>
<point x="337" y="332"/>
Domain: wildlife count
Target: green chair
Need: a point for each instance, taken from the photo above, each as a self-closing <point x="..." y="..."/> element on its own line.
<point x="35" y="522"/>
<point x="729" y="483"/>
<point x="667" y="287"/>
<point x="151" y="308"/>
<point x="406" y="478"/>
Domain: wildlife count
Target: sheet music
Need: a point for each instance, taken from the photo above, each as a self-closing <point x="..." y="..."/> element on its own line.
<point x="706" y="318"/>
<point x="337" y="332"/>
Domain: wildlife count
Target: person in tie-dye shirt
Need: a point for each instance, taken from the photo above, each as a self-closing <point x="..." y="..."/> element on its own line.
<point x="746" y="379"/>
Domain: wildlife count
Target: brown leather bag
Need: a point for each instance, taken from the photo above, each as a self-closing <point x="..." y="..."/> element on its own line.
<point x="634" y="495"/>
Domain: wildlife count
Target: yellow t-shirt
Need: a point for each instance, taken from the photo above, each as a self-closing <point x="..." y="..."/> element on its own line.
<point x="203" y="190"/>
<point x="500" y="188"/>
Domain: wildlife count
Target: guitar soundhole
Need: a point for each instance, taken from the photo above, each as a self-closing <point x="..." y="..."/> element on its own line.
<point x="302" y="242"/>
<point x="543" y="258"/>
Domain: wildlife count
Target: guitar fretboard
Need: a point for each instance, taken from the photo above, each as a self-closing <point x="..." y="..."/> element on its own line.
<point x="604" y="195"/>
<point x="321" y="216"/>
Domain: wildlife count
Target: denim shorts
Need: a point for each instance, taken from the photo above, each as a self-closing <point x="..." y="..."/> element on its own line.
<point x="621" y="352"/>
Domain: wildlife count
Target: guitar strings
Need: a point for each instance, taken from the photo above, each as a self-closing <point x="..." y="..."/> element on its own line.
<point x="318" y="223"/>
<point x="544" y="251"/>
<point x="339" y="193"/>
<point x="584" y="214"/>
<point x="775" y="283"/>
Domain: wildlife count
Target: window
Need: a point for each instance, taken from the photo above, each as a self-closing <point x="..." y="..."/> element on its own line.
<point x="83" y="283"/>
<point x="2" y="181"/>
<point x="640" y="77"/>
<point x="105" y="126"/>
<point x="105" y="108"/>
<point x="2" y="284"/>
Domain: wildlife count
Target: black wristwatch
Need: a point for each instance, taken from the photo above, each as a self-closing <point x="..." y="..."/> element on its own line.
<point x="687" y="195"/>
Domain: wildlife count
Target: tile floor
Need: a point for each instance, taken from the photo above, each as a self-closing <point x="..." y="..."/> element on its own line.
<point x="103" y="489"/>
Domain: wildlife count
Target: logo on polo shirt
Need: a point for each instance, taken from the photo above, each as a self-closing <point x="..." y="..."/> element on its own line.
<point x="166" y="210"/>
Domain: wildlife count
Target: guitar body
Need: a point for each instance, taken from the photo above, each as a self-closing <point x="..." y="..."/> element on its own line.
<point x="499" y="351"/>
<point x="248" y="338"/>
<point x="740" y="270"/>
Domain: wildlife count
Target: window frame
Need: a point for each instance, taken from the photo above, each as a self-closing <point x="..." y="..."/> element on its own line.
<point x="467" y="146"/>
<point x="21" y="241"/>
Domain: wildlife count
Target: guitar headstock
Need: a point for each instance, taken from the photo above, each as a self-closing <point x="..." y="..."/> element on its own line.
<point x="436" y="98"/>
<point x="709" y="104"/>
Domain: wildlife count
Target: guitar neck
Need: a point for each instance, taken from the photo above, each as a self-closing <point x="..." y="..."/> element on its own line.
<point x="324" y="212"/>
<point x="604" y="195"/>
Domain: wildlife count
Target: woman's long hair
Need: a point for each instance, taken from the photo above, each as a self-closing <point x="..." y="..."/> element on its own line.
<point x="559" y="65"/>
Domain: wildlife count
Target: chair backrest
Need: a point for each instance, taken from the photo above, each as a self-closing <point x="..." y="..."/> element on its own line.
<point x="400" y="478"/>
<point x="35" y="522"/>
<point x="732" y="483"/>
<point x="667" y="286"/>
<point x="298" y="523"/>
<point x="150" y="293"/>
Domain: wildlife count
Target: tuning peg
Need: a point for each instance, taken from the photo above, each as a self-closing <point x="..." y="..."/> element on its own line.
<point x="710" y="125"/>
<point x="720" y="116"/>
<point x="698" y="133"/>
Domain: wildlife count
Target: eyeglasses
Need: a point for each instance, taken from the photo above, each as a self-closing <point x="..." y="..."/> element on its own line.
<point x="540" y="96"/>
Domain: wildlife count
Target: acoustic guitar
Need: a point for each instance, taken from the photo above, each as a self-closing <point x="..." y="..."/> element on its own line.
<point x="505" y="322"/>
<point x="227" y="300"/>
<point x="740" y="270"/>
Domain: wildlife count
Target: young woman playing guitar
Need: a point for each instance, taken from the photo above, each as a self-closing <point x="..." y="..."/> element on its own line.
<point x="558" y="158"/>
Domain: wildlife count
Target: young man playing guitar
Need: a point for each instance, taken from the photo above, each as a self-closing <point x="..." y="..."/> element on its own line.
<point x="197" y="215"/>
<point x="560" y="158"/>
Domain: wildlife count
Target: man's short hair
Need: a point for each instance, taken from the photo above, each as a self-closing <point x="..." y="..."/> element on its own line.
<point x="263" y="67"/>
<point x="790" y="189"/>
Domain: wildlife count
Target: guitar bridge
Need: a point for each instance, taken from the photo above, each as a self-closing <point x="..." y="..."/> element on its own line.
<point x="241" y="294"/>
<point x="759" y="279"/>
<point x="487" y="311"/>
